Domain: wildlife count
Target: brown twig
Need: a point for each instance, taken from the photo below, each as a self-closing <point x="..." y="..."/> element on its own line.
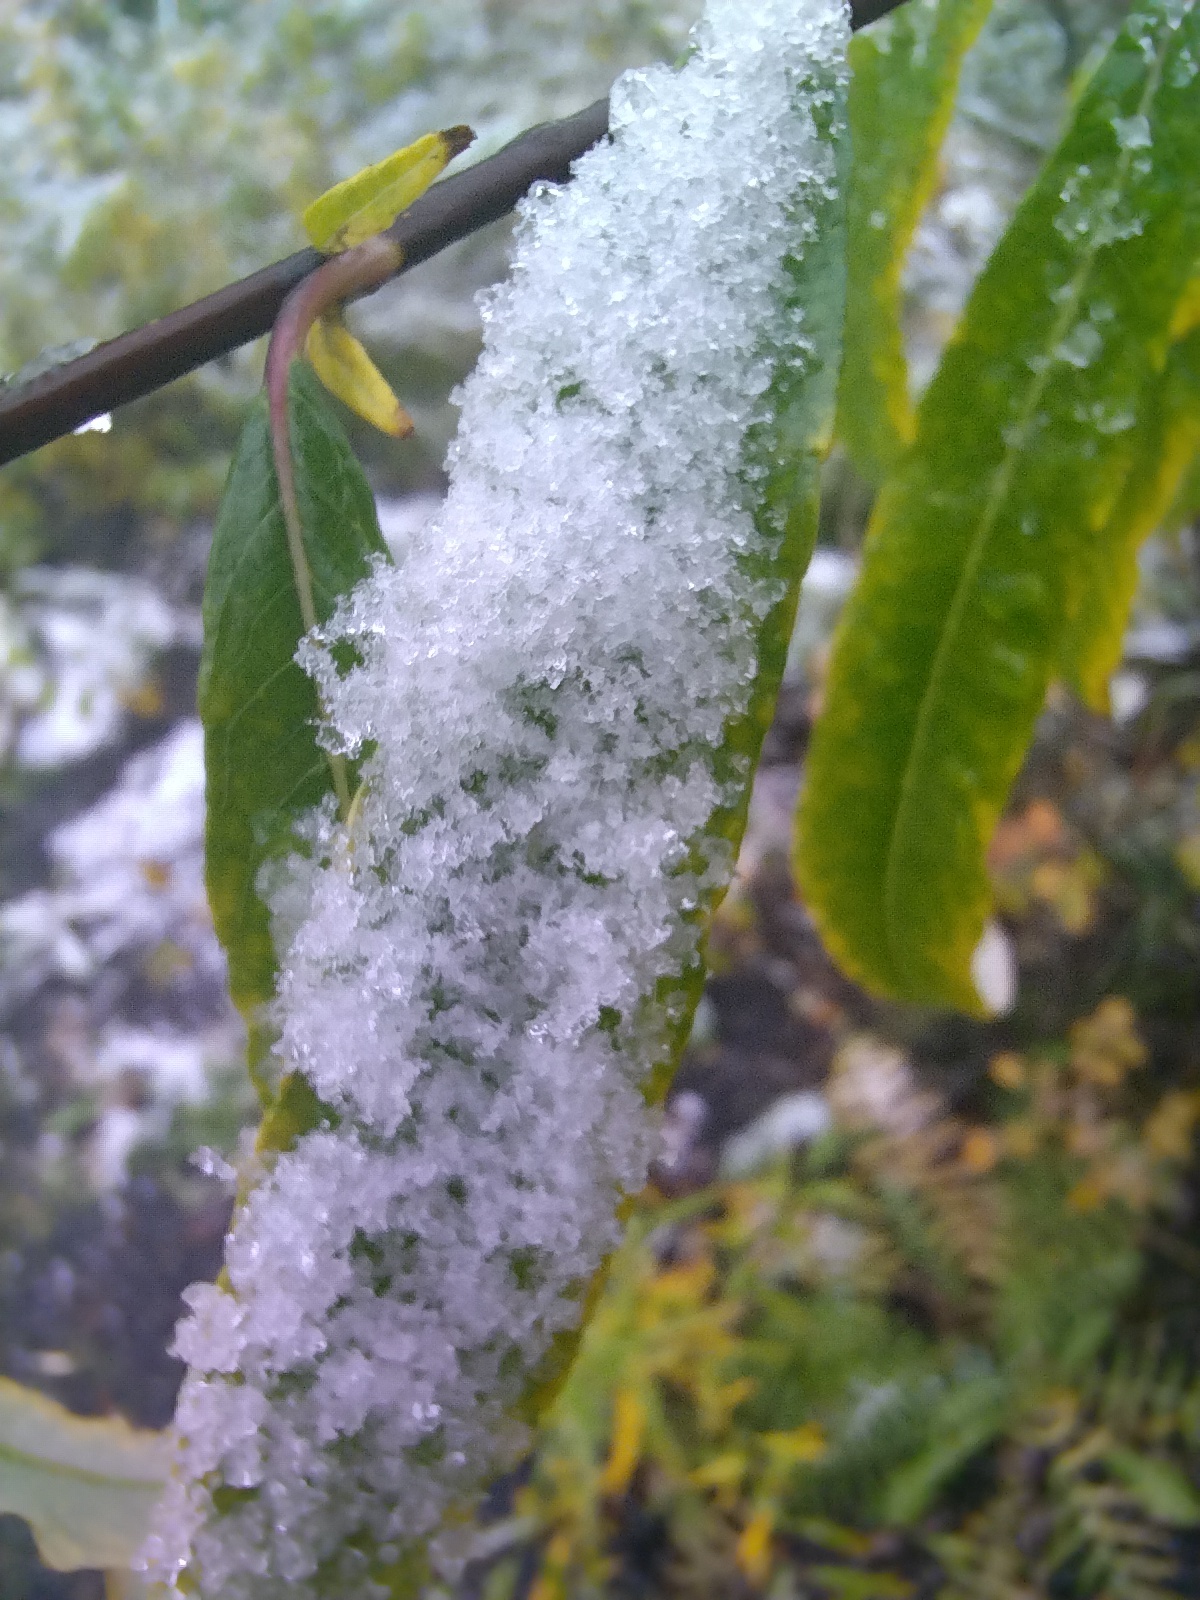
<point x="136" y="364"/>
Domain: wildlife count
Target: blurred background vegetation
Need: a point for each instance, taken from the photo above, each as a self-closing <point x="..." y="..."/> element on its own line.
<point x="912" y="1305"/>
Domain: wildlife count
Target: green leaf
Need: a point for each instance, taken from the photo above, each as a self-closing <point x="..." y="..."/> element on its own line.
<point x="85" y="1485"/>
<point x="264" y="768"/>
<point x="905" y="75"/>
<point x="1067" y="1273"/>
<point x="966" y="1420"/>
<point x="1186" y="506"/>
<point x="1165" y="442"/>
<point x="847" y="1583"/>
<point x="781" y="462"/>
<point x="1160" y="1489"/>
<point x="976" y="550"/>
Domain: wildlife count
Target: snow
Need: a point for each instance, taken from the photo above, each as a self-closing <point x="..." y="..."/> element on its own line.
<point x="480" y="974"/>
<point x="76" y="646"/>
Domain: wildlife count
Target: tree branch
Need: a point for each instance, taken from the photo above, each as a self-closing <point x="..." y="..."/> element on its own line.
<point x="136" y="364"/>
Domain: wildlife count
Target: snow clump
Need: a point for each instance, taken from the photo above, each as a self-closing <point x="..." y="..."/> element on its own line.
<point x="480" y="978"/>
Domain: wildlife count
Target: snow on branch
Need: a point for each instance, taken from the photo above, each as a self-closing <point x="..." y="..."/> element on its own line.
<point x="481" y="977"/>
<point x="145" y="359"/>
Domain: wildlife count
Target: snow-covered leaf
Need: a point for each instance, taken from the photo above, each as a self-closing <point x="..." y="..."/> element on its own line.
<point x="559" y="693"/>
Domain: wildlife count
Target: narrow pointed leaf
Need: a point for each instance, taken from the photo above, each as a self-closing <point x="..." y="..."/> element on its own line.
<point x="905" y="75"/>
<point x="974" y="554"/>
<point x="85" y="1485"/>
<point x="1166" y="441"/>
<point x="347" y="371"/>
<point x="1158" y="1486"/>
<point x="363" y="205"/>
<point x="263" y="764"/>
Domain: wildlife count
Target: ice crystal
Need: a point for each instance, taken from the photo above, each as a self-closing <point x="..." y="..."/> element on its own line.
<point x="481" y="975"/>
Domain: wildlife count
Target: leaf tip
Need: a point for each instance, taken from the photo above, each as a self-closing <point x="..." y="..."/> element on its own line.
<point x="457" y="139"/>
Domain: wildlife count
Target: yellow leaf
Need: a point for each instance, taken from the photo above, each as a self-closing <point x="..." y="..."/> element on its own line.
<point x="370" y="201"/>
<point x="1187" y="312"/>
<point x="1105" y="1046"/>
<point x="1088" y="1195"/>
<point x="85" y="1485"/>
<point x="347" y="371"/>
<point x="1021" y="1139"/>
<point x="680" y="1288"/>
<point x="799" y="1445"/>
<point x="720" y="1472"/>
<point x="629" y="1421"/>
<point x="1068" y="888"/>
<point x="1008" y="1070"/>
<point x="1164" y="444"/>
<point x="833" y="1536"/>
<point x="754" y="1547"/>
<point x="980" y="1151"/>
<point x="1170" y="1128"/>
<point x="1187" y="854"/>
<point x="555" y="1561"/>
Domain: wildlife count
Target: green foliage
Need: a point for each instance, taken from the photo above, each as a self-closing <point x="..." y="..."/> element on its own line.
<point x="921" y="1338"/>
<point x="154" y="152"/>
<point x="1165" y="441"/>
<point x="981" y="541"/>
<point x="920" y="1326"/>
<point x="1120" y="1455"/>
<point x="86" y="1486"/>
<point x="782" y="467"/>
<point x="264" y="766"/>
<point x="905" y="73"/>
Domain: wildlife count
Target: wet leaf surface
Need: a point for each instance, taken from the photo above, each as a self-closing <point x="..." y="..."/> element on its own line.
<point x="979" y="541"/>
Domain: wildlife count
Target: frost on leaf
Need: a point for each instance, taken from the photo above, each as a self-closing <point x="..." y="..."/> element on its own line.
<point x="482" y="978"/>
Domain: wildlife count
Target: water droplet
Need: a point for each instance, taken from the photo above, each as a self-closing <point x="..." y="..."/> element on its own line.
<point x="1183" y="69"/>
<point x="213" y="1164"/>
<point x="1073" y="223"/>
<point x="994" y="970"/>
<point x="1133" y="133"/>
<point x="1106" y="416"/>
<point x="100" y="424"/>
<point x="1081" y="346"/>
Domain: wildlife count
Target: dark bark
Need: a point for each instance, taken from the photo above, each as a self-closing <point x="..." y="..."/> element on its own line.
<point x="136" y="364"/>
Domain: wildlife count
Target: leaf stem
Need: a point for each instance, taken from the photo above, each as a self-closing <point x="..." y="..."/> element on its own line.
<point x="363" y="267"/>
<point x="137" y="363"/>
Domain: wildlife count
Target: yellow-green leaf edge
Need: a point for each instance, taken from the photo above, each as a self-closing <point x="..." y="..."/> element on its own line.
<point x="904" y="77"/>
<point x="85" y="1485"/>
